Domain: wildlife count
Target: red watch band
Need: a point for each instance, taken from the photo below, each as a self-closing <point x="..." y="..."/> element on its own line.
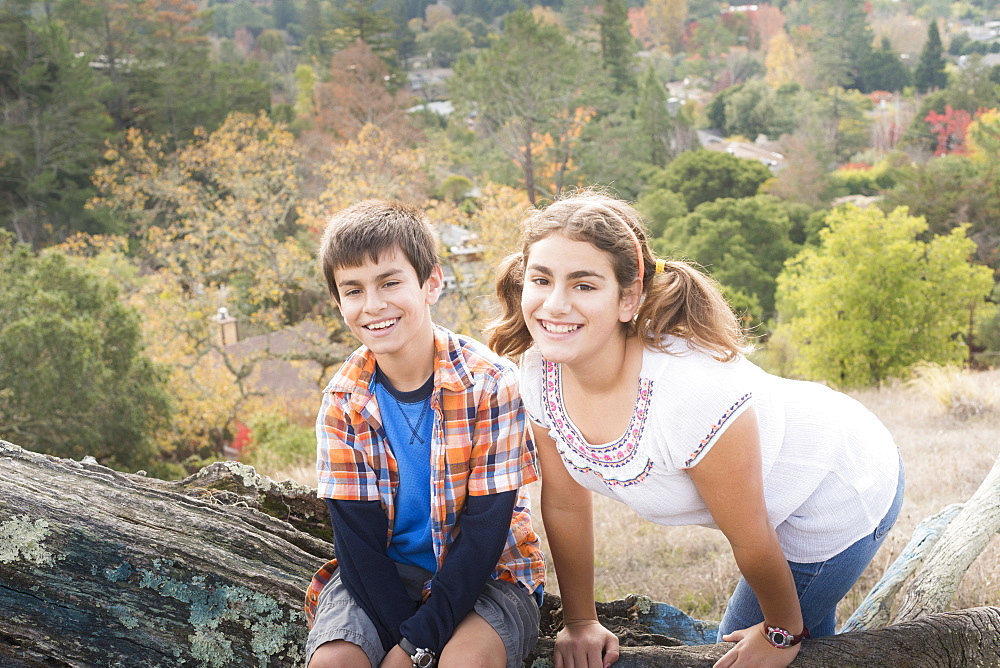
<point x="783" y="639"/>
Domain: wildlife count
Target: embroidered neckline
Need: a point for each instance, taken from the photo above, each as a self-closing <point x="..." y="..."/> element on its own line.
<point x="618" y="463"/>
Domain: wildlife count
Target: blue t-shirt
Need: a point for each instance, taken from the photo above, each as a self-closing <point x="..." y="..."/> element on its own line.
<point x="409" y="423"/>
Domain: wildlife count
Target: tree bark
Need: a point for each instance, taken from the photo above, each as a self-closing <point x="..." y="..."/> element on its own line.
<point x="961" y="639"/>
<point x="105" y="568"/>
<point x="101" y="568"/>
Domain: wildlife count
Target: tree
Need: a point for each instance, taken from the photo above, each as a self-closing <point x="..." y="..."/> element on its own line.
<point x="710" y="42"/>
<point x="358" y="95"/>
<point x="217" y="223"/>
<point x="284" y="12"/>
<point x="703" y="176"/>
<point x="743" y="243"/>
<point x="74" y="378"/>
<point x="667" y="19"/>
<point x="874" y="299"/>
<point x="930" y="74"/>
<point x="617" y="45"/>
<point x="883" y="70"/>
<point x="950" y="129"/>
<point x="361" y="19"/>
<point x="657" y="129"/>
<point x="844" y="44"/>
<point x="373" y="164"/>
<point x="781" y="61"/>
<point x="444" y="41"/>
<point x="529" y="83"/>
<point x="952" y="190"/>
<point x="50" y="140"/>
<point x="160" y="75"/>
<point x="755" y="109"/>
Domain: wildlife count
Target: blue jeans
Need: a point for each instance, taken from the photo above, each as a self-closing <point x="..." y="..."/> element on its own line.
<point x="820" y="585"/>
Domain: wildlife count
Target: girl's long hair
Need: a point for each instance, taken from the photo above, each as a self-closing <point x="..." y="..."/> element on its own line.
<point x="680" y="301"/>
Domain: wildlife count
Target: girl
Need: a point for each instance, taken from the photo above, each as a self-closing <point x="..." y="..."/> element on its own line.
<point x="634" y="378"/>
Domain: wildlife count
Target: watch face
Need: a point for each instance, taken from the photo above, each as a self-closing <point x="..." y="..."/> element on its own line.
<point x="423" y="659"/>
<point x="778" y="639"/>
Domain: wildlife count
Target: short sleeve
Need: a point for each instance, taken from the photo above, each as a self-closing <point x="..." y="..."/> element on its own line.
<point x="503" y="453"/>
<point x="698" y="398"/>
<point x="530" y="383"/>
<point x="342" y="464"/>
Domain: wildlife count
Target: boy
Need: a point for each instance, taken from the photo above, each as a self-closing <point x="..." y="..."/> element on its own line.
<point x="422" y="457"/>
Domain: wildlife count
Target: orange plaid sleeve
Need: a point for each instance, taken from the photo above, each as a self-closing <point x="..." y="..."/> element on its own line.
<point x="343" y="453"/>
<point x="503" y="454"/>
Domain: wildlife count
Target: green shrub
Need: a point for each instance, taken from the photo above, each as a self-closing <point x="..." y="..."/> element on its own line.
<point x="278" y="445"/>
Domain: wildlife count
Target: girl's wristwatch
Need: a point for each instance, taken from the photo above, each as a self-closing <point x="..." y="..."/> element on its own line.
<point x="421" y="658"/>
<point x="781" y="638"/>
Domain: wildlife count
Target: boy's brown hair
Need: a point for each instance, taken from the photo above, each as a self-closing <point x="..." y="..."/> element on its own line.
<point x="373" y="227"/>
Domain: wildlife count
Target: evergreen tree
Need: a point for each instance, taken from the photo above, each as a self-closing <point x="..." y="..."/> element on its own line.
<point x="617" y="44"/>
<point x="884" y="71"/>
<point x="53" y="130"/>
<point x="284" y="13"/>
<point x="930" y="74"/>
<point x="656" y="125"/>
<point x="743" y="242"/>
<point x="312" y="19"/>
<point x="845" y="43"/>
<point x="361" y="19"/>
<point x="531" y="83"/>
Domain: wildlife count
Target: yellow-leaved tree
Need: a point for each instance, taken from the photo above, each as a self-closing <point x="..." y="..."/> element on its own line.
<point x="216" y="225"/>
<point x="375" y="164"/>
<point x="495" y="224"/>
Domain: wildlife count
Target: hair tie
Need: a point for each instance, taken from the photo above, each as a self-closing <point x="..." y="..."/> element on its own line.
<point x="661" y="264"/>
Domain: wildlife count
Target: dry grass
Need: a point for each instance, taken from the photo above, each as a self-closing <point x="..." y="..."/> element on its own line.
<point x="947" y="451"/>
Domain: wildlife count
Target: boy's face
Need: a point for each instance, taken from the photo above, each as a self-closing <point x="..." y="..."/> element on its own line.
<point x="385" y="305"/>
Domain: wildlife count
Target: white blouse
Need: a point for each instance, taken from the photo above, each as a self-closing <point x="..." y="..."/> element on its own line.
<point x="830" y="467"/>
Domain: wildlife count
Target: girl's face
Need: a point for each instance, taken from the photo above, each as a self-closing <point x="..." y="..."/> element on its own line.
<point x="571" y="301"/>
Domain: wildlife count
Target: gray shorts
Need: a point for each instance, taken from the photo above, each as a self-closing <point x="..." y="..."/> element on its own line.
<point x="509" y="609"/>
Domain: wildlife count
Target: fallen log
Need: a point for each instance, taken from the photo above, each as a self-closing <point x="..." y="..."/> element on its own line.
<point x="99" y="567"/>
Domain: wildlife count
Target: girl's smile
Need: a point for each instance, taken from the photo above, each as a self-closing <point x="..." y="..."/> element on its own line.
<point x="571" y="301"/>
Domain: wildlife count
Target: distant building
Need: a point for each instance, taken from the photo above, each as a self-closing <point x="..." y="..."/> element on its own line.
<point x="442" y="108"/>
<point x="712" y="140"/>
<point x="463" y="258"/>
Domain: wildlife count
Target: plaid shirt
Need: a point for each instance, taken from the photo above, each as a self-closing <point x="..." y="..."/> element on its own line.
<point x="480" y="445"/>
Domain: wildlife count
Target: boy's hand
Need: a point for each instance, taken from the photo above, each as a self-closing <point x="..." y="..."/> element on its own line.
<point x="585" y="644"/>
<point x="753" y="649"/>
<point x="396" y="658"/>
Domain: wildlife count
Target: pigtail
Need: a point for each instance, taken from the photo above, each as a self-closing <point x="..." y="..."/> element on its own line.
<point x="507" y="334"/>
<point x="683" y="302"/>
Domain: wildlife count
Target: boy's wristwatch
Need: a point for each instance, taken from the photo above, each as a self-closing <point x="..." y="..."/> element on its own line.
<point x="781" y="638"/>
<point x="421" y="658"/>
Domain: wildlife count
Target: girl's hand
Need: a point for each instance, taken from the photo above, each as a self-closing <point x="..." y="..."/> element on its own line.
<point x="753" y="650"/>
<point x="585" y="644"/>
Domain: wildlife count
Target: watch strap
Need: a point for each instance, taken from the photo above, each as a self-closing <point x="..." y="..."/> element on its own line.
<point x="783" y="639"/>
<point x="421" y="658"/>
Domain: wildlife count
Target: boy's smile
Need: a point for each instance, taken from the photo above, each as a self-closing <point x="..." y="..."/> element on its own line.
<point x="388" y="310"/>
